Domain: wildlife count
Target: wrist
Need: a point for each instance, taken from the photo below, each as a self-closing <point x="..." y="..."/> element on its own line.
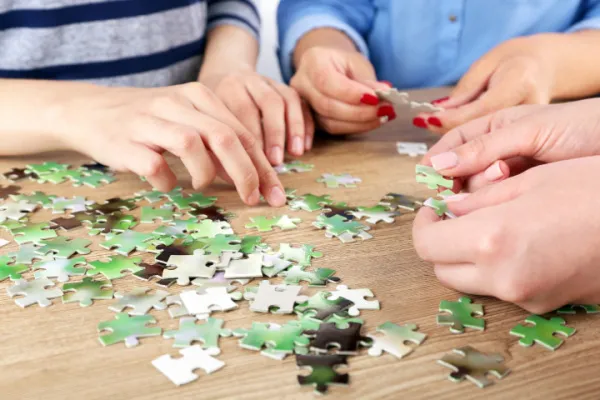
<point x="322" y="38"/>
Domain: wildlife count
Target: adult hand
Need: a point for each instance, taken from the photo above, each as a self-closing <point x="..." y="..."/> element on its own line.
<point x="530" y="240"/>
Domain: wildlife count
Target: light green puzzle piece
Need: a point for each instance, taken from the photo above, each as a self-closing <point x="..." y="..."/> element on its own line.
<point x="10" y="271"/>
<point x="251" y="244"/>
<point x="86" y="291"/>
<point x="438" y="205"/>
<point x="36" y="198"/>
<point x="207" y="228"/>
<point x="127" y="329"/>
<point x="320" y="306"/>
<point x="542" y="332"/>
<point x="265" y="224"/>
<point x="221" y="243"/>
<point x="149" y="214"/>
<point x="309" y="202"/>
<point x="92" y="178"/>
<point x="58" y="177"/>
<point x="61" y="247"/>
<point x="46" y="168"/>
<point x="111" y="223"/>
<point x="155" y="196"/>
<point x="127" y="241"/>
<point x="333" y="181"/>
<point x="280" y="339"/>
<point x="430" y="177"/>
<point x="571" y="308"/>
<point x="302" y="255"/>
<point x="197" y="199"/>
<point x="207" y="332"/>
<point x="114" y="267"/>
<point x="338" y="225"/>
<point x="394" y="339"/>
<point x="61" y="269"/>
<point x="34" y="233"/>
<point x="461" y="315"/>
<point x="318" y="277"/>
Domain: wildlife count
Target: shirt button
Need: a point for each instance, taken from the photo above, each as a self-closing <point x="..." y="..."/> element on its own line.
<point x="452" y="18"/>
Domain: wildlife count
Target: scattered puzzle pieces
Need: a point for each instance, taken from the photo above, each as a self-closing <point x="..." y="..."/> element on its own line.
<point x="411" y="149"/>
<point x="33" y="233"/>
<point x="542" y="331"/>
<point x="321" y="307"/>
<point x="466" y="362"/>
<point x="283" y="339"/>
<point x="309" y="202"/>
<point x="461" y="315"/>
<point x="127" y="329"/>
<point x="211" y="299"/>
<point x="346" y="341"/>
<point x="356" y="296"/>
<point x="318" y="277"/>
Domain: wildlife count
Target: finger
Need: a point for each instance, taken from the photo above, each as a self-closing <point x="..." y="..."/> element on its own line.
<point x="338" y="86"/>
<point x="273" y="109"/>
<point x="148" y="164"/>
<point x="243" y="107"/>
<point x="375" y="85"/>
<point x="184" y="142"/>
<point x="296" y="130"/>
<point x="465" y="278"/>
<point x="471" y="85"/>
<point x="336" y="127"/>
<point x="309" y="126"/>
<point x="488" y="196"/>
<point x="512" y="167"/>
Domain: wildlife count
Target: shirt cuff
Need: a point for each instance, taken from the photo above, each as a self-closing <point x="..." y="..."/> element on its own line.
<point x="306" y="24"/>
<point x="592" y="23"/>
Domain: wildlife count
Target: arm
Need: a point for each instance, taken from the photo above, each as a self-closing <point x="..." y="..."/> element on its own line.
<point x="351" y="22"/>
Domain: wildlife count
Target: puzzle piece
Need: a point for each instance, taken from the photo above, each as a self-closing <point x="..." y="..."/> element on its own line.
<point x="149" y="214"/>
<point x="211" y="299"/>
<point x="346" y="341"/>
<point x="197" y="199"/>
<point x="571" y="308"/>
<point x="114" y="267"/>
<point x="394" y="339"/>
<point x="155" y="196"/>
<point x="11" y="271"/>
<point x="310" y="323"/>
<point x="321" y="307"/>
<point x="61" y="269"/>
<point x="318" y="277"/>
<point x="92" y="178"/>
<point x="309" y="202"/>
<point x="27" y="253"/>
<point x="33" y="233"/>
<point x="139" y="301"/>
<point x="344" y="230"/>
<point x="279" y="299"/>
<point x="58" y="177"/>
<point x="273" y="264"/>
<point x="10" y="225"/>
<point x="179" y="310"/>
<point x="178" y="247"/>
<point x="252" y="244"/>
<point x="302" y="255"/>
<point x="150" y="271"/>
<point x="66" y="223"/>
<point x="75" y="204"/>
<point x="402" y="99"/>
<point x="439" y="206"/>
<point x="177" y="228"/>
<point x="38" y="291"/>
<point x="376" y="214"/>
<point x="283" y="339"/>
<point x="212" y="213"/>
<point x="430" y="177"/>
<point x="180" y="370"/>
<point x="461" y="315"/>
<point x="323" y="371"/>
<point x="116" y="222"/>
<point x="127" y="241"/>
<point x="333" y="181"/>
<point x="194" y="266"/>
<point x="15" y="211"/>
<point x="542" y="332"/>
<point x="411" y="149"/>
<point x="250" y="267"/>
<point x="293" y="166"/>
<point x="35" y="198"/>
<point x="265" y="224"/>
<point x="357" y="296"/>
<point x="218" y="280"/>
<point x="127" y="329"/>
<point x="86" y="291"/>
<point x="95" y="166"/>
<point x="10" y="190"/>
<point x="222" y="243"/>
<point x="395" y="200"/>
<point x="207" y="228"/>
<point x="208" y="332"/>
<point x="113" y="205"/>
<point x="466" y="362"/>
<point x="61" y="247"/>
<point x="46" y="168"/>
<point x="340" y="209"/>
<point x="16" y="174"/>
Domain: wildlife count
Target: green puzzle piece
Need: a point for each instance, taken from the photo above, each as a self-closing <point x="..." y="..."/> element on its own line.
<point x="111" y="223"/>
<point x="58" y="177"/>
<point x="542" y="332"/>
<point x="318" y="277"/>
<point x="438" y="205"/>
<point x="155" y="196"/>
<point x="282" y="339"/>
<point x="252" y="244"/>
<point x="265" y="224"/>
<point x="320" y="306"/>
<point x="149" y="214"/>
<point x="61" y="247"/>
<point x="221" y="243"/>
<point x="10" y="271"/>
<point x="430" y="177"/>
<point x="323" y="372"/>
<point x="310" y="202"/>
<point x="35" y="198"/>
<point x="333" y="181"/>
<point x="92" y="178"/>
<point x="114" y="267"/>
<point x="127" y="329"/>
<point x="310" y="323"/>
<point x="61" y="269"/>
<point x="207" y="228"/>
<point x="33" y="233"/>
<point x="127" y="241"/>
<point x="46" y="168"/>
<point x="571" y="308"/>
<point x="296" y="165"/>
<point x="86" y="291"/>
<point x="338" y="225"/>
<point x="461" y="315"/>
<point x="196" y="199"/>
<point x="302" y="255"/>
<point x="207" y="332"/>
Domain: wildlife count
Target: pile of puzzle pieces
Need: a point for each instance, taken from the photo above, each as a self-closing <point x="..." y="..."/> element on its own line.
<point x="208" y="268"/>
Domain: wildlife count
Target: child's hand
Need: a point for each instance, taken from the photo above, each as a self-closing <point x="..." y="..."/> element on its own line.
<point x="505" y="143"/>
<point x="129" y="129"/>
<point x="340" y="87"/>
<point x="519" y="71"/>
<point x="530" y="240"/>
<point x="271" y="111"/>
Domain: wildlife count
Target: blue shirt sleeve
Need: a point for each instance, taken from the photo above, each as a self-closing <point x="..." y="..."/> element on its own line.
<point x="241" y="13"/>
<point x="590" y="19"/>
<point x="295" y="18"/>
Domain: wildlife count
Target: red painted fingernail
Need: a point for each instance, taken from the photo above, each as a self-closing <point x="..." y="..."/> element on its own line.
<point x="435" y="121"/>
<point x="438" y="101"/>
<point x="419" y="122"/>
<point x="387" y="83"/>
<point x="369" y="99"/>
<point x="386" y="111"/>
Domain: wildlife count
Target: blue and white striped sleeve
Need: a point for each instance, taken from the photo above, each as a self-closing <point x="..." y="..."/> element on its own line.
<point x="590" y="18"/>
<point x="240" y="13"/>
<point x="296" y="18"/>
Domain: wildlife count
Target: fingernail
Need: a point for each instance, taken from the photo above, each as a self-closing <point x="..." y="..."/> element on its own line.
<point x="369" y="99"/>
<point x="493" y="172"/>
<point x="386" y="111"/>
<point x="308" y="141"/>
<point x="441" y="100"/>
<point x="445" y="160"/>
<point x="276" y="155"/>
<point x="456" y="197"/>
<point x="435" y="121"/>
<point x="419" y="122"/>
<point x="387" y="83"/>
<point x="254" y="197"/>
<point x="297" y="146"/>
<point x="277" y="197"/>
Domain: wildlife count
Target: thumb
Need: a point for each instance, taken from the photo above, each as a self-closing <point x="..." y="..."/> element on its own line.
<point x="488" y="196"/>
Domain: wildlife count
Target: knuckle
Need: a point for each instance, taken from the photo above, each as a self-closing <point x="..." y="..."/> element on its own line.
<point x="225" y="139"/>
<point x="475" y="148"/>
<point x="206" y="178"/>
<point x="272" y="100"/>
<point x="248" y="140"/>
<point x="514" y="289"/>
<point x="490" y="245"/>
<point x="325" y="106"/>
<point x="153" y="166"/>
<point x="250" y="179"/>
<point x="184" y="140"/>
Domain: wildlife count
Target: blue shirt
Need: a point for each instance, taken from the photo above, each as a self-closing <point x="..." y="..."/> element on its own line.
<point x="420" y="43"/>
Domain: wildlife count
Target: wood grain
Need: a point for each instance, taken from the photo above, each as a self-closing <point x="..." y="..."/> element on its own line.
<point x="54" y="353"/>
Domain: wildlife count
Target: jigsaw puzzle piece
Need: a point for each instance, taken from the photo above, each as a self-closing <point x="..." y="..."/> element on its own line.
<point x="461" y="315"/>
<point x="279" y="299"/>
<point x="318" y="277"/>
<point x="346" y="341"/>
<point x="323" y="371"/>
<point x="11" y="271"/>
<point x="139" y="301"/>
<point x="357" y="296"/>
<point x="333" y="181"/>
<point x="37" y="291"/>
<point x="276" y="338"/>
<point x="180" y="370"/>
<point x="302" y="255"/>
<point x="208" y="332"/>
<point x="466" y="362"/>
<point x="211" y="299"/>
<point x="33" y="233"/>
<point x="542" y="331"/>
<point x="376" y="214"/>
<point x="86" y="291"/>
<point x="321" y="307"/>
<point x="61" y="269"/>
<point x="430" y="177"/>
<point x="394" y="339"/>
<point x="127" y="329"/>
<point x="190" y="266"/>
<point x="249" y="267"/>
<point x="114" y="267"/>
<point x="62" y="247"/>
<point x="572" y="308"/>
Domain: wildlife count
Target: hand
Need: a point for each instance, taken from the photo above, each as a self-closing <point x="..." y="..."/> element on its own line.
<point x="519" y="71"/>
<point x="340" y="87"/>
<point x="491" y="148"/>
<point x="530" y="240"/>
<point x="271" y="111"/>
<point x="129" y="129"/>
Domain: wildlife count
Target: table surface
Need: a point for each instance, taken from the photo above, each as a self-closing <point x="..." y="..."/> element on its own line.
<point x="54" y="353"/>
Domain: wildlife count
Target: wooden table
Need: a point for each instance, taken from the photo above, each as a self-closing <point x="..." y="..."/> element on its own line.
<point x="54" y="353"/>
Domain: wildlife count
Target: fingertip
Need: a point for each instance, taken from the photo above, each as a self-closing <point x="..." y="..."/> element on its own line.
<point x="276" y="197"/>
<point x="254" y="198"/>
<point x="296" y="146"/>
<point x="275" y="155"/>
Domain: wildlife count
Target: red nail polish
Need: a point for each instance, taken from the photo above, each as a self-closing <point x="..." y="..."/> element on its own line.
<point x="369" y="99"/>
<point x="419" y="122"/>
<point x="387" y="83"/>
<point x="438" y="101"/>
<point x="386" y="111"/>
<point x="435" y="121"/>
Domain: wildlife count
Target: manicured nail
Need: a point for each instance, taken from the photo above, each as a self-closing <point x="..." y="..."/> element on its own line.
<point x="276" y="155"/>
<point x="387" y="112"/>
<point x="456" y="197"/>
<point x="277" y="197"/>
<point x="308" y="141"/>
<point x="438" y="101"/>
<point x="493" y="173"/>
<point x="387" y="83"/>
<point x="419" y="122"/>
<point x="435" y="121"/>
<point x="369" y="99"/>
<point x="297" y="146"/>
<point x="445" y="160"/>
<point x="254" y="197"/>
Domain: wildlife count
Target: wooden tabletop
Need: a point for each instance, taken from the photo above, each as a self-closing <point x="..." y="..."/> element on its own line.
<point x="54" y="353"/>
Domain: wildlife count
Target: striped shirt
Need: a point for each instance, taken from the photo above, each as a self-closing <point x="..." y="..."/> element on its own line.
<point x="141" y="43"/>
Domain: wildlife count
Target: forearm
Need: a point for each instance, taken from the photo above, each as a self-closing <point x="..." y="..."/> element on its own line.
<point x="322" y="37"/>
<point x="228" y="49"/>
